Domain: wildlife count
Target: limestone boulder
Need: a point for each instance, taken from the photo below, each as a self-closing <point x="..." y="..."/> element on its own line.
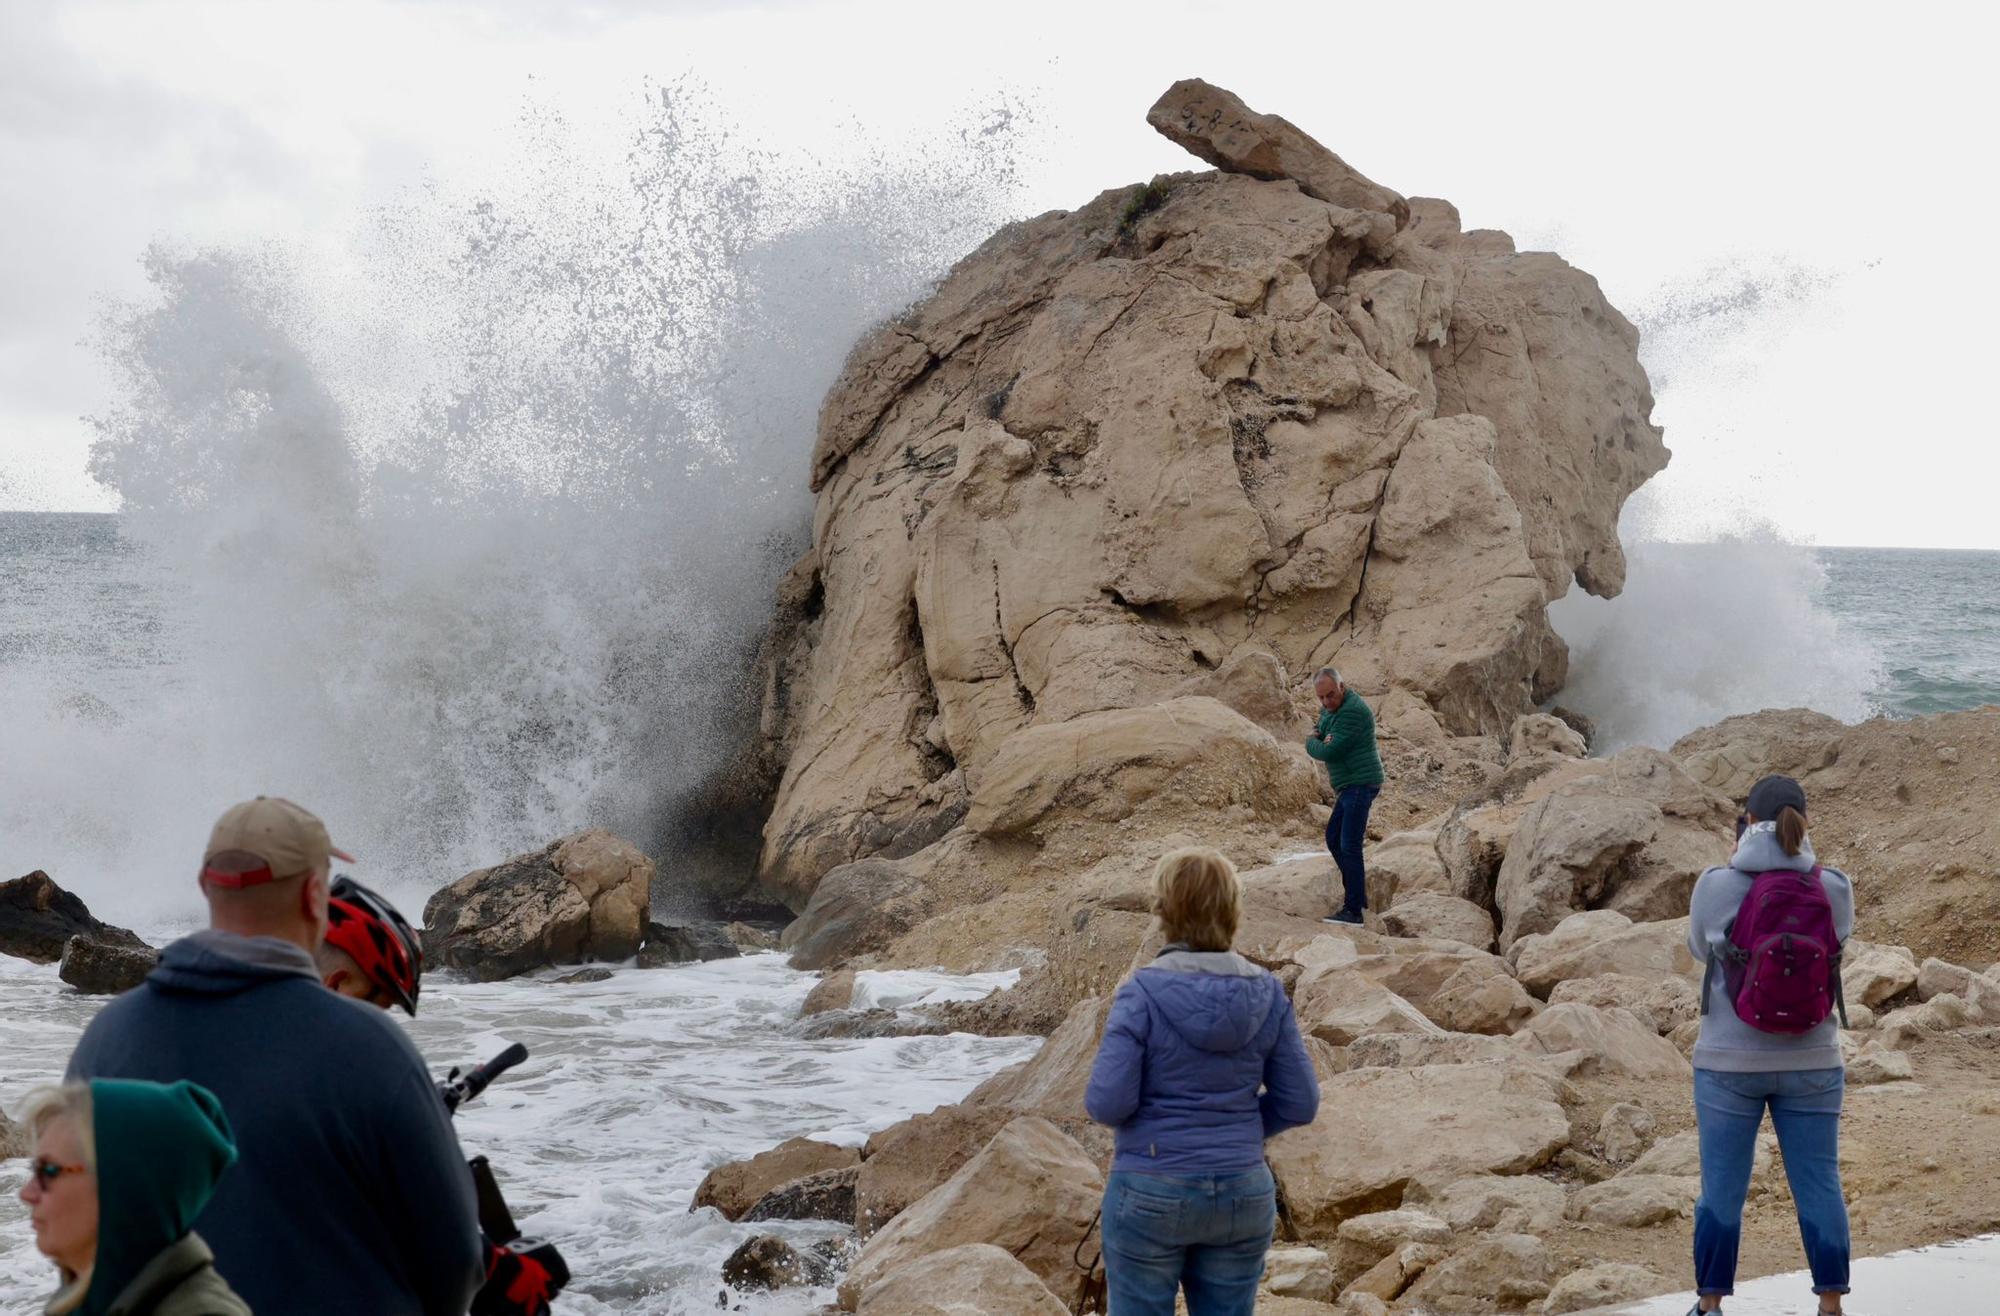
<point x="1102" y="766"/>
<point x="972" y="1279"/>
<point x="1402" y="1125"/>
<point x="1599" y="942"/>
<point x="1031" y="1191"/>
<point x="1481" y="999"/>
<point x="733" y="1188"/>
<point x="767" y="1262"/>
<point x="1389" y="1278"/>
<point x="1416" y="1050"/>
<point x="1731" y="755"/>
<point x="908" y="1159"/>
<point x="1405" y="865"/>
<point x="1434" y="914"/>
<point x="1219" y="128"/>
<point x="38" y="919"/>
<point x="1362" y="1241"/>
<point x="857" y="909"/>
<point x="1632" y="838"/>
<point x="1052" y="1081"/>
<point x="1633" y="1201"/>
<point x="1611" y="1041"/>
<point x="1875" y="1064"/>
<point x="1543" y="733"/>
<point x="1871" y="974"/>
<point x="1339" y="1005"/>
<point x="1935" y="977"/>
<point x="828" y="1195"/>
<point x="103" y="967"/>
<point x="1665" y="1003"/>
<point x="1501" y="1204"/>
<point x="581" y="898"/>
<point x="1623" y="1132"/>
<point x="1601" y="1285"/>
<point x="1507" y="1271"/>
<point x="1122" y="445"/>
<point x="1299" y="1272"/>
<point x="1914" y="1024"/>
<point x="833" y="991"/>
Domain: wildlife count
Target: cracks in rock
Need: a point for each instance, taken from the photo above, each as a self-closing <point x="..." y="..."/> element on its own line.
<point x="1116" y="320"/>
<point x="1021" y="690"/>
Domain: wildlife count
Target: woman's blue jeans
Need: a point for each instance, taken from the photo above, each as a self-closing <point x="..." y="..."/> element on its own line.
<point x="1805" y="1109"/>
<point x="1207" y="1234"/>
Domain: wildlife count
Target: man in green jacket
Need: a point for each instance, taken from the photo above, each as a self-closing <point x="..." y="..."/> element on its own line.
<point x="1345" y="742"/>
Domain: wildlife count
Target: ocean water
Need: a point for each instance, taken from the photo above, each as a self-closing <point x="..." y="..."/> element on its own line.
<point x="635" y="1087"/>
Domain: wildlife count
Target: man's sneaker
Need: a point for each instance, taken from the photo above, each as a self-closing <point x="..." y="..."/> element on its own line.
<point x="1344" y="916"/>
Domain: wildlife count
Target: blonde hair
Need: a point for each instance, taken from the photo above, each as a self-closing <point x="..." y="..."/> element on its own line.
<point x="44" y="1106"/>
<point x="1198" y="899"/>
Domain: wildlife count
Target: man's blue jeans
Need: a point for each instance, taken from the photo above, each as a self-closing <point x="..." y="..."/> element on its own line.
<point x="1346" y="833"/>
<point x="1805" y="1109"/>
<point x="1207" y="1234"/>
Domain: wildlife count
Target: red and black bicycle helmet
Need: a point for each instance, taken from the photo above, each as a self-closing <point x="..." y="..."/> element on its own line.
<point x="370" y="931"/>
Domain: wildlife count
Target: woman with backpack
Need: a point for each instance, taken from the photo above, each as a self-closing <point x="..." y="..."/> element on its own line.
<point x="1768" y="928"/>
<point x="1201" y="1061"/>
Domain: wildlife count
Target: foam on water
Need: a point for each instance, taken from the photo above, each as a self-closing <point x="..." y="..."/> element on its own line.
<point x="464" y="536"/>
<point x="636" y="1087"/>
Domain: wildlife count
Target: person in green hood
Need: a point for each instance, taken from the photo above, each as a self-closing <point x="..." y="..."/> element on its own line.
<point x="121" y="1168"/>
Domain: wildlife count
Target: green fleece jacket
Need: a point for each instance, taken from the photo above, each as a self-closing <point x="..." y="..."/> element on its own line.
<point x="160" y="1149"/>
<point x="1346" y="744"/>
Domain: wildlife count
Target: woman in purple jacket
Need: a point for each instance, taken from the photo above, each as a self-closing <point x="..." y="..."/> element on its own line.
<point x="1201" y="1061"/>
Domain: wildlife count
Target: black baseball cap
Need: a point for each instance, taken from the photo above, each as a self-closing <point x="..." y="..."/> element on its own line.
<point x="1774" y="794"/>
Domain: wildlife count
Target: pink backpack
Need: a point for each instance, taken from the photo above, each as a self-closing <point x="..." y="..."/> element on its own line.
<point x="1782" y="960"/>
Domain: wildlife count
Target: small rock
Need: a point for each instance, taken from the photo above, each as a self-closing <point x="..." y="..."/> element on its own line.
<point x="1947" y="753"/>
<point x="1634" y="1201"/>
<point x="866" y="1023"/>
<point x="1387" y="1279"/>
<point x="1624" y="1132"/>
<point x="1600" y="1286"/>
<point x="834" y="991"/>
<point x="769" y="1262"/>
<point x="682" y="943"/>
<point x="1356" y="1303"/>
<point x="583" y="976"/>
<point x="1878" y="1064"/>
<point x="1509" y="1204"/>
<point x="750" y="938"/>
<point x="13" y="1139"/>
<point x="736" y="1186"/>
<point x="105" y="968"/>
<point x="1299" y="1272"/>
<point x="1509" y="1271"/>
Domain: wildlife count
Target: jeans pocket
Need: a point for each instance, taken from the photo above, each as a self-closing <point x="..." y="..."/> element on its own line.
<point x="1148" y="1210"/>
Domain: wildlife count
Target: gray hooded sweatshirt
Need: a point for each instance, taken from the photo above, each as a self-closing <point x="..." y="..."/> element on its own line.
<point x="1727" y="1043"/>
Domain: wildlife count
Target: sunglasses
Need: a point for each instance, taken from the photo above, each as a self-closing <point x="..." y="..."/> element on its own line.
<point x="46" y="1172"/>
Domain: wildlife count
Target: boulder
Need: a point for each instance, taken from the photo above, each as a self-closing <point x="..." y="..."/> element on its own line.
<point x="1631" y="838"/>
<point x="768" y="1262"/>
<point x="1031" y="1191"/>
<point x="1123" y="444"/>
<point x="1052" y="1081"/>
<point x="1363" y="1240"/>
<point x="38" y="918"/>
<point x="1875" y="1064"/>
<point x="834" y="991"/>
<point x="1508" y="1271"/>
<point x="736" y="1186"/>
<point x="684" y="943"/>
<point x="1103" y="766"/>
<point x="1390" y="1277"/>
<point x="1544" y="733"/>
<point x="828" y="1195"/>
<point x="1981" y="991"/>
<point x="1603" y="941"/>
<point x="908" y="1159"/>
<point x="1356" y="1303"/>
<point x="972" y="1279"/>
<point x="1633" y="1201"/>
<point x="746" y="937"/>
<point x="1403" y="866"/>
<point x="1299" y="1272"/>
<point x="1434" y="914"/>
<point x="1623" y="1132"/>
<point x="1478" y="999"/>
<point x="1219" y="128"/>
<point x="1516" y="1204"/>
<point x="1731" y="755"/>
<point x="874" y="1022"/>
<point x="1871" y="974"/>
<point x="1339" y="1005"/>
<point x="1415" y="1050"/>
<point x="583" y="897"/>
<point x="1601" y="1285"/>
<point x="1665" y="1003"/>
<point x="105" y="967"/>
<point x="13" y="1139"/>
<point x="1612" y="1041"/>
<point x="1400" y="1125"/>
<point x="856" y="909"/>
<point x="1915" y="1024"/>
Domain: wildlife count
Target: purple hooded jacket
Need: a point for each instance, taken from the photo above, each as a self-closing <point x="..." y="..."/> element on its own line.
<point x="1201" y="1061"/>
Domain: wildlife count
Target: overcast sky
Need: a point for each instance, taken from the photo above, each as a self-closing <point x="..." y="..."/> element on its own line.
<point x="1793" y="200"/>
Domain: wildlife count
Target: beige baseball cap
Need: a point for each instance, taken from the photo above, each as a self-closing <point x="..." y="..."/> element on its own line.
<point x="289" y="840"/>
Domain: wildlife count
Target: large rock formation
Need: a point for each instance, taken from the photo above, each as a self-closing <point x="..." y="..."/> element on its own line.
<point x="38" y="918"/>
<point x="1244" y="421"/>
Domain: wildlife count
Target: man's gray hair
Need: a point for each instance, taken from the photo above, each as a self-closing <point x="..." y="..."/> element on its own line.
<point x="1328" y="674"/>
